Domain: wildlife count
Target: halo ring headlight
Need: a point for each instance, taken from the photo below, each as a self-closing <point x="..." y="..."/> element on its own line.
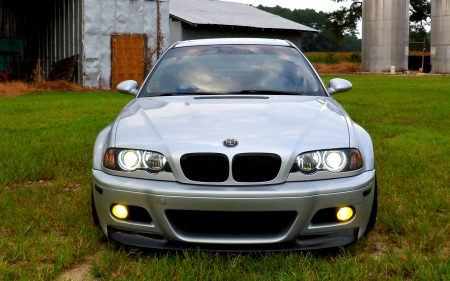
<point x="309" y="162"/>
<point x="334" y="160"/>
<point x="154" y="161"/>
<point x="129" y="160"/>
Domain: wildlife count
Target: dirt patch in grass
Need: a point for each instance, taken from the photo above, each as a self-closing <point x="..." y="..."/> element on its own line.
<point x="446" y="250"/>
<point x="339" y="68"/>
<point x="378" y="245"/>
<point x="17" y="88"/>
<point x="40" y="183"/>
<point x="80" y="272"/>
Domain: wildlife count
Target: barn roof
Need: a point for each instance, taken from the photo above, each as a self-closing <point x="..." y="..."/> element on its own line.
<point x="213" y="12"/>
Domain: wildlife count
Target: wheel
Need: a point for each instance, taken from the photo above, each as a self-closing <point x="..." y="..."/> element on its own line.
<point x="373" y="213"/>
<point x="94" y="211"/>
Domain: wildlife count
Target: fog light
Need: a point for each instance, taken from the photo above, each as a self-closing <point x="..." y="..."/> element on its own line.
<point x="120" y="212"/>
<point x="344" y="214"/>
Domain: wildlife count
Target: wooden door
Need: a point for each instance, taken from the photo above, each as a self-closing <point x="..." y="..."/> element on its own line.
<point x="128" y="58"/>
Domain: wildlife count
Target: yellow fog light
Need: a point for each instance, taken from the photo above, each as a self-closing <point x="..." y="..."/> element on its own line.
<point x="344" y="214"/>
<point x="120" y="211"/>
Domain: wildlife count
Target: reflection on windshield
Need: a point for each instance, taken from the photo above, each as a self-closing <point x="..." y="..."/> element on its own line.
<point x="232" y="68"/>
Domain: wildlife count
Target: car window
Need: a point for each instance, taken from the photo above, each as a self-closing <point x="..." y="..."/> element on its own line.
<point x="232" y="69"/>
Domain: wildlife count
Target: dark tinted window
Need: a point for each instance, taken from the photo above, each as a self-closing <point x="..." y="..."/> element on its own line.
<point x="232" y="68"/>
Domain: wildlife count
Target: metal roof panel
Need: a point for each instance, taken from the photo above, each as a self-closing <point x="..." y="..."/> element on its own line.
<point x="233" y="41"/>
<point x="213" y="12"/>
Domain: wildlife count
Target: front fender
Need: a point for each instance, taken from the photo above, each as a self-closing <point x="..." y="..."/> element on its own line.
<point x="365" y="147"/>
<point x="100" y="147"/>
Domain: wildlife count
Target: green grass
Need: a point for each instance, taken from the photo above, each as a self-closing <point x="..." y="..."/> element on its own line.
<point x="46" y="143"/>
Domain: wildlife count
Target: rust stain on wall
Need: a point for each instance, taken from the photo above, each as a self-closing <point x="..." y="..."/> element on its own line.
<point x="159" y="37"/>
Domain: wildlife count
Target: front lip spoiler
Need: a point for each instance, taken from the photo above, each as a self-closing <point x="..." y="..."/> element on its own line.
<point x="302" y="243"/>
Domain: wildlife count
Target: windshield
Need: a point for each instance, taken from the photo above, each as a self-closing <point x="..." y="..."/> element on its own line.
<point x="232" y="69"/>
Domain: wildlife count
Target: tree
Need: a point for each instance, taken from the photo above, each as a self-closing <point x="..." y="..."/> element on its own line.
<point x="344" y="21"/>
<point x="316" y="42"/>
<point x="419" y="21"/>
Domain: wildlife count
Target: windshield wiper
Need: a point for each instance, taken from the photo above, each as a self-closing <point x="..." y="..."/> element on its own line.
<point x="268" y="92"/>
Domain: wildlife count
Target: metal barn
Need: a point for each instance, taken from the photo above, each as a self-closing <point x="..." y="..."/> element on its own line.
<point x="385" y="40"/>
<point x="199" y="19"/>
<point x="440" y="36"/>
<point x="109" y="40"/>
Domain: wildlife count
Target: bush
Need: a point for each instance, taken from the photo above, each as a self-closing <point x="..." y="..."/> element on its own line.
<point x="355" y="57"/>
<point x="331" y="58"/>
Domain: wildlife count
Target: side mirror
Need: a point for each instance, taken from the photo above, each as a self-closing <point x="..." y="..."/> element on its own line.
<point x="338" y="85"/>
<point x="128" y="87"/>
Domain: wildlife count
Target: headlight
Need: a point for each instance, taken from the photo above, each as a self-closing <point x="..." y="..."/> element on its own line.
<point x="154" y="161"/>
<point x="129" y="160"/>
<point x="336" y="160"/>
<point x="309" y="162"/>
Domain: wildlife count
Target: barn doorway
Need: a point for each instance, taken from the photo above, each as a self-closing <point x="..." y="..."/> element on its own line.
<point x="128" y="58"/>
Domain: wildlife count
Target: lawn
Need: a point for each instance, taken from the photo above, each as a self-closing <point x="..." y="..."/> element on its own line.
<point x="46" y="142"/>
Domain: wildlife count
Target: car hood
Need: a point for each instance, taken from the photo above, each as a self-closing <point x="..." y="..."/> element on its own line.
<point x="286" y="125"/>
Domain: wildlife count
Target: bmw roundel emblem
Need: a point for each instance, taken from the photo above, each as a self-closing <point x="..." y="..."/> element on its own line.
<point x="230" y="143"/>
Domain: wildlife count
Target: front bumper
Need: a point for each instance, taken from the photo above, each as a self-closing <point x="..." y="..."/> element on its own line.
<point x="304" y="242"/>
<point x="305" y="198"/>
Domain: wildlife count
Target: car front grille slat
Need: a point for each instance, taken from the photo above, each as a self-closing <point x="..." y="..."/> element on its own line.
<point x="247" y="167"/>
<point x="205" y="167"/>
<point x="256" y="167"/>
<point x="231" y="223"/>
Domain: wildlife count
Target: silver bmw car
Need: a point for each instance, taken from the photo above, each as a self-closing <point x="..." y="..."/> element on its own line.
<point x="234" y="145"/>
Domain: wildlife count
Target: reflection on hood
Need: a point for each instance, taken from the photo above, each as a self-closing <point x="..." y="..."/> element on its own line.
<point x="275" y="124"/>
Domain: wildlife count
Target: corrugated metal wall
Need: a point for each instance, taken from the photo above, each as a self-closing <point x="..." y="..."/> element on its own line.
<point x="60" y="35"/>
<point x="385" y="33"/>
<point x="190" y="32"/>
<point x="51" y="30"/>
<point x="440" y="36"/>
<point x="104" y="18"/>
<point x="176" y="31"/>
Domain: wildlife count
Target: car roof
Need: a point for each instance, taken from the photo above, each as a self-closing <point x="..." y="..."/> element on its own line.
<point x="232" y="41"/>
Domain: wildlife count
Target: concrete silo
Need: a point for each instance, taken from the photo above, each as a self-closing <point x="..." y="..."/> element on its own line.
<point x="385" y="35"/>
<point x="440" y="36"/>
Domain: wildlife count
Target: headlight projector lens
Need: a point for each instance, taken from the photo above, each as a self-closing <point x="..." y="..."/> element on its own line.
<point x="334" y="161"/>
<point x="129" y="160"/>
<point x="308" y="162"/>
<point x="155" y="162"/>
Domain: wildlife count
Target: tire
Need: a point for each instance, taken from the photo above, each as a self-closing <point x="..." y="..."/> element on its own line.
<point x="373" y="213"/>
<point x="94" y="211"/>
